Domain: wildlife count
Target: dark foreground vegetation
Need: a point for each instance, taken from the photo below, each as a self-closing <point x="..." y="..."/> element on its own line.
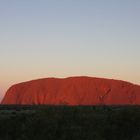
<point x="69" y="123"/>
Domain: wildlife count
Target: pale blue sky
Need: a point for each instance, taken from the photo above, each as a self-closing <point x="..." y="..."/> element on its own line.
<point x="60" y="38"/>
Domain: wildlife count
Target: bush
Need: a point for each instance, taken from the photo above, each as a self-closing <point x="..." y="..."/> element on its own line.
<point x="67" y="123"/>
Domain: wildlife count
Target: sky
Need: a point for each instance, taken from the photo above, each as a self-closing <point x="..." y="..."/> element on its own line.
<point x="62" y="38"/>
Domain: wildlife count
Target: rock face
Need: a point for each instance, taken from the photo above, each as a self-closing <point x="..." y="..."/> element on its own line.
<point x="74" y="91"/>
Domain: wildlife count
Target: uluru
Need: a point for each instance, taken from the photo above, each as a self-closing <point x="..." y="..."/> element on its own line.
<point x="73" y="91"/>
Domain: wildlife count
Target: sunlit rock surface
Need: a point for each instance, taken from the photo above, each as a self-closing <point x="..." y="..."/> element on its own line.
<point x="73" y="91"/>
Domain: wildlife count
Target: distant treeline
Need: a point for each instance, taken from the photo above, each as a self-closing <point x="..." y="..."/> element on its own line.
<point x="69" y="122"/>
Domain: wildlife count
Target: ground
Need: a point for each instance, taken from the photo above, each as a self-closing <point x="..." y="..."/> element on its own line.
<point x="67" y="123"/>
